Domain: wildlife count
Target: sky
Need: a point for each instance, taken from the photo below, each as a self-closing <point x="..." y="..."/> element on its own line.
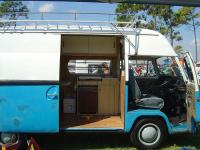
<point x="45" y="6"/>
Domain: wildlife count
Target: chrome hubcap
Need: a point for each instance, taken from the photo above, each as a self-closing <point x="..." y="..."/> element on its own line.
<point x="149" y="134"/>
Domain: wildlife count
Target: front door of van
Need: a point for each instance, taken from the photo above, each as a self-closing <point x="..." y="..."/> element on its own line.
<point x="192" y="87"/>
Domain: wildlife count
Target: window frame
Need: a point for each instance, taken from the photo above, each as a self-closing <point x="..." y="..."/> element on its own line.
<point x="159" y="72"/>
<point x="90" y="63"/>
<point x="153" y="60"/>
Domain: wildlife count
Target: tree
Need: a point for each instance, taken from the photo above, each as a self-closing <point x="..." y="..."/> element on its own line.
<point x="162" y="18"/>
<point x="129" y="13"/>
<point x="178" y="49"/>
<point x="192" y="14"/>
<point x="135" y="13"/>
<point x="12" y="10"/>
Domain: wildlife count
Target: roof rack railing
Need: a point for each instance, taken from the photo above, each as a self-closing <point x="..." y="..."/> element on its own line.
<point x="65" y="15"/>
<point x="25" y="20"/>
<point x="61" y="25"/>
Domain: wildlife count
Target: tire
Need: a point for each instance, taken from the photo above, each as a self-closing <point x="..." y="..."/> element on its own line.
<point x="148" y="133"/>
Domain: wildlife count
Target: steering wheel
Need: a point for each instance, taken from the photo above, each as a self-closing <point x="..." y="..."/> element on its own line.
<point x="163" y="84"/>
<point x="173" y="82"/>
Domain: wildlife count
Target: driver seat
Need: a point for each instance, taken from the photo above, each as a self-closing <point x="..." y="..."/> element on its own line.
<point x="142" y="100"/>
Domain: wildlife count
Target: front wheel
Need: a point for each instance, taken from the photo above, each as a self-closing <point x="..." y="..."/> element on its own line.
<point x="148" y="133"/>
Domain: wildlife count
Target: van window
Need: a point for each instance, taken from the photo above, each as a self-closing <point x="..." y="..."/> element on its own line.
<point x="142" y="68"/>
<point x="90" y="67"/>
<point x="168" y="66"/>
<point x="187" y="69"/>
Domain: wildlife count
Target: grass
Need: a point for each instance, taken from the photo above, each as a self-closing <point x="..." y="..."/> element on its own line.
<point x="110" y="141"/>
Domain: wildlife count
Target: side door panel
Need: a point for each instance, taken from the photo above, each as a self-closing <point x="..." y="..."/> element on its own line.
<point x="192" y="87"/>
<point x="29" y="76"/>
<point x="25" y="108"/>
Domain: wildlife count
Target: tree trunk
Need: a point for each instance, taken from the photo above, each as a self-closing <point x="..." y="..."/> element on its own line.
<point x="195" y="39"/>
<point x="155" y="23"/>
<point x="171" y="36"/>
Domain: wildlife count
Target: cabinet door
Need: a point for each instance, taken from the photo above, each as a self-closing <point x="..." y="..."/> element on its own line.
<point x="75" y="44"/>
<point x="102" y="45"/>
<point x="109" y="97"/>
<point x="87" y="100"/>
<point x="106" y="100"/>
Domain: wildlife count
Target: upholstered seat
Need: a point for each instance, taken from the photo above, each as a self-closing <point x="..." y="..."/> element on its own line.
<point x="138" y="99"/>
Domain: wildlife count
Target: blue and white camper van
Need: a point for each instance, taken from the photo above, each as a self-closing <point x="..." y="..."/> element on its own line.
<point x="64" y="78"/>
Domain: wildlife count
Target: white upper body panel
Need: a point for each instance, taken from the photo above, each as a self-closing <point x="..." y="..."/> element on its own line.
<point x="29" y="56"/>
<point x="36" y="55"/>
<point x="149" y="43"/>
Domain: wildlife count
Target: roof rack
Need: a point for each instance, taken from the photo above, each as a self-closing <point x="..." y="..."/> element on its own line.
<point x="65" y="24"/>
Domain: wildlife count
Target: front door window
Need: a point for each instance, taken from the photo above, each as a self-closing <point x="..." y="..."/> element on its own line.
<point x="188" y="69"/>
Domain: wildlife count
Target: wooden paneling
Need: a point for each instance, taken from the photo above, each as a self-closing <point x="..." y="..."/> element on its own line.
<point x="122" y="94"/>
<point x="91" y="121"/>
<point x="75" y="44"/>
<point x="109" y="96"/>
<point x="89" y="45"/>
<point x="89" y="82"/>
<point x="104" y="45"/>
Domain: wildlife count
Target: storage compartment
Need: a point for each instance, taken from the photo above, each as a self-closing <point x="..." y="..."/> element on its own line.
<point x="87" y="98"/>
<point x="89" y="45"/>
<point x="109" y="96"/>
<point x="102" y="45"/>
<point x="69" y="105"/>
<point x="75" y="44"/>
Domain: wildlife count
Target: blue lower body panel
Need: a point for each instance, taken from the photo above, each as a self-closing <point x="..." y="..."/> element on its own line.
<point x="132" y="116"/>
<point x="197" y="96"/>
<point x="27" y="108"/>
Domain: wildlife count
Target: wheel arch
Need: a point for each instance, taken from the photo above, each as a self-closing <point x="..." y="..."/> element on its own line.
<point x="151" y="117"/>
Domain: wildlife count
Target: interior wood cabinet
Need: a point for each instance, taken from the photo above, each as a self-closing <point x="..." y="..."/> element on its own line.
<point x="108" y="96"/>
<point x="87" y="99"/>
<point x="89" y="45"/>
<point x="102" y="45"/>
<point x="75" y="44"/>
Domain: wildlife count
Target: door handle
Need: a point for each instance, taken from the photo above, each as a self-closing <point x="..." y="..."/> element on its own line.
<point x="52" y="96"/>
<point x="52" y="93"/>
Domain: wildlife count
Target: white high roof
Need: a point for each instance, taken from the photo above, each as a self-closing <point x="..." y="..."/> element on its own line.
<point x="150" y="43"/>
<point x="141" y="42"/>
